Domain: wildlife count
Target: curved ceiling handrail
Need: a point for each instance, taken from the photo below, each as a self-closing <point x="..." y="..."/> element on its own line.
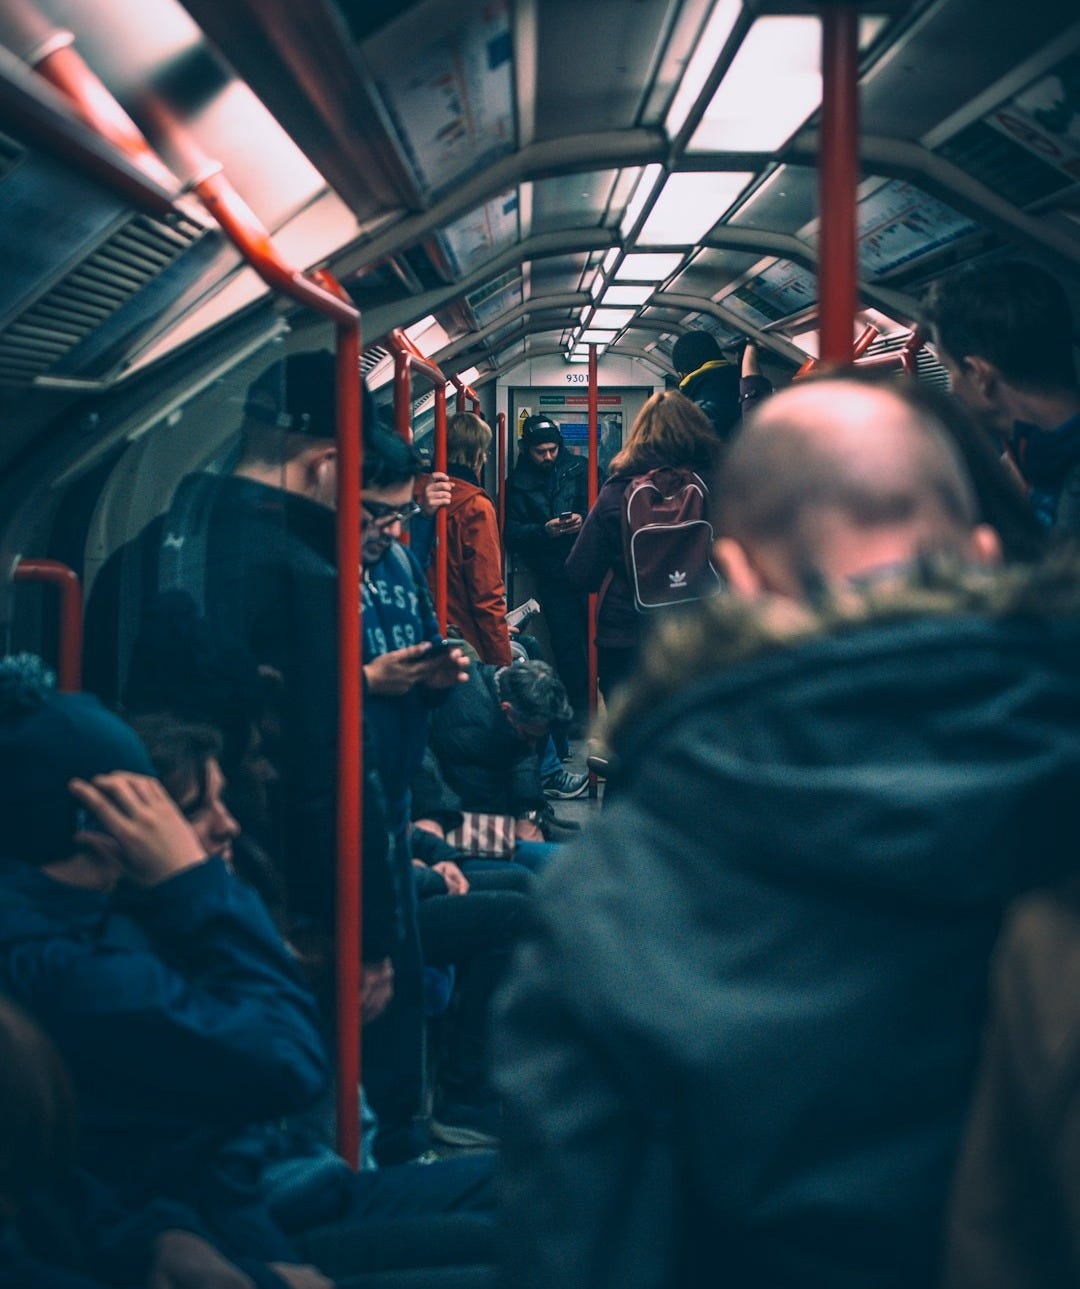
<point x="571" y="154"/>
<point x="902" y="159"/>
<point x="403" y="313"/>
<point x="534" y="304"/>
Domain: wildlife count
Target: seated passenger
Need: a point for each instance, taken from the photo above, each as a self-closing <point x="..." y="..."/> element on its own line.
<point x="764" y="983"/>
<point x="488" y="739"/>
<point x="177" y="1011"/>
<point x="58" y="1228"/>
<point x="162" y="980"/>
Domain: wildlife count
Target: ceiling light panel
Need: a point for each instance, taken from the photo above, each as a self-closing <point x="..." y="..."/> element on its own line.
<point x="771" y="87"/>
<point x="623" y="295"/>
<point x="593" y="337"/>
<point x="617" y="318"/>
<point x="708" y="49"/>
<point x="691" y="204"/>
<point x="645" y="189"/>
<point x="647" y="268"/>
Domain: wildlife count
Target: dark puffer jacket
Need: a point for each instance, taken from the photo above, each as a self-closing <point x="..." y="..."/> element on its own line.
<point x="762" y="974"/>
<point x="479" y="755"/>
<point x="534" y="496"/>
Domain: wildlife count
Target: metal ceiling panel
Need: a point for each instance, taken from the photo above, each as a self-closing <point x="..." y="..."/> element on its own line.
<point x="574" y="201"/>
<point x="711" y="271"/>
<point x="784" y="203"/>
<point x="951" y="54"/>
<point x="596" y="63"/>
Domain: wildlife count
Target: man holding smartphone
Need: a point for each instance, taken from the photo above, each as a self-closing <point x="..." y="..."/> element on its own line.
<point x="547" y="501"/>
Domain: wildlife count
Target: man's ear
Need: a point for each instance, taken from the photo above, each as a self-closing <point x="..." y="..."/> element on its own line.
<point x="321" y="459"/>
<point x="505" y="708"/>
<point x="985" y="546"/>
<point x="983" y="375"/>
<point x="736" y="569"/>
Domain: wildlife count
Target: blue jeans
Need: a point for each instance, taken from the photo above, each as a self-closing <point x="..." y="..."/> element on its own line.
<point x="550" y="765"/>
<point x="535" y="855"/>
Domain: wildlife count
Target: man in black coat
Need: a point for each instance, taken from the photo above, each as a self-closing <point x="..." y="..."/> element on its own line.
<point x="547" y="498"/>
<point x="764" y="981"/>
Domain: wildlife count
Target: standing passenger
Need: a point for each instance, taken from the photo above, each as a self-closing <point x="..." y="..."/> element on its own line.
<point x="1005" y="335"/>
<point x="670" y="434"/>
<point x="476" y="595"/>
<point x="764" y="983"/>
<point x="547" y="497"/>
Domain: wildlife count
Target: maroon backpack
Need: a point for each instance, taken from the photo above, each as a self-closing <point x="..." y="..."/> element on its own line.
<point x="667" y="539"/>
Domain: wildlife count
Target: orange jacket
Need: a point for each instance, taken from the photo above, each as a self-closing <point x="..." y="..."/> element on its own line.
<point x="476" y="594"/>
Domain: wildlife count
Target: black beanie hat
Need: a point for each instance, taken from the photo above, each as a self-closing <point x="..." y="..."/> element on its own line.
<point x="540" y="429"/>
<point x="299" y="394"/>
<point x="47" y="739"/>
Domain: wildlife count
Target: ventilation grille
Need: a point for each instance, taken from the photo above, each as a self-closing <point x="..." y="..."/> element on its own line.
<point x="1003" y="165"/>
<point x="372" y="356"/>
<point x="928" y="370"/>
<point x="38" y="340"/>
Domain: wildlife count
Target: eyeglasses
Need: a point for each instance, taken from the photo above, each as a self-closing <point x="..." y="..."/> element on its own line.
<point x="382" y="515"/>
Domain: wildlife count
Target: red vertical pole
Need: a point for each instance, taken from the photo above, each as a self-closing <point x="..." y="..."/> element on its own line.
<point x="594" y="488"/>
<point x="69" y="649"/>
<point x="440" y="514"/>
<point x="460" y="404"/>
<point x="403" y="395"/>
<point x="350" y="744"/>
<point x="839" y="177"/>
<point x="501" y="454"/>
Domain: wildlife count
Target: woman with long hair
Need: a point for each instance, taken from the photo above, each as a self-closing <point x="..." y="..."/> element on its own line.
<point x="670" y="431"/>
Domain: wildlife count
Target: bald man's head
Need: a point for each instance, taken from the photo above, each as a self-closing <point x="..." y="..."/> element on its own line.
<point x="837" y="478"/>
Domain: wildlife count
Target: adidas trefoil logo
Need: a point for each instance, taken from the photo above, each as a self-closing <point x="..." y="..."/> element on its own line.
<point x="173" y="541"/>
<point x="677" y="581"/>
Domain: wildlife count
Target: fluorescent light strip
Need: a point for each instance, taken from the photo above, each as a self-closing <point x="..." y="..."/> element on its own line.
<point x="617" y="318"/>
<point x="616" y="295"/>
<point x="690" y="205"/>
<point x="771" y="87"/>
<point x="610" y="258"/>
<point x="698" y="70"/>
<point x="647" y="268"/>
<point x="642" y="193"/>
<point x="594" y="337"/>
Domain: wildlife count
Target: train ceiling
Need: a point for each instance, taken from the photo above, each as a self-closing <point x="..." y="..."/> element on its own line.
<point x="513" y="177"/>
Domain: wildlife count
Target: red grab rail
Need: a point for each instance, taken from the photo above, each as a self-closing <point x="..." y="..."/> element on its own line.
<point x="594" y="488"/>
<point x="502" y="455"/>
<point x="407" y="359"/>
<point x="66" y="581"/>
<point x="838" y="180"/>
<point x="465" y="393"/>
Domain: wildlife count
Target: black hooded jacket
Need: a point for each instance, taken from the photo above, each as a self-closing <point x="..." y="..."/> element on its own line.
<point x="739" y="1046"/>
<point x="534" y="496"/>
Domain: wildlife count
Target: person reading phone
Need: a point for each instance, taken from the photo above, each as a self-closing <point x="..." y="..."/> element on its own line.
<point x="546" y="505"/>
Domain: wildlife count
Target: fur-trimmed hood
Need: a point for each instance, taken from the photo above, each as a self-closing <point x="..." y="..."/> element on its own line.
<point x="724" y="632"/>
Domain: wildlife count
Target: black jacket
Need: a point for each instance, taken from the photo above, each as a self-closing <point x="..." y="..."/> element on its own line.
<point x="260" y="563"/>
<point x="715" y="389"/>
<point x="762" y="973"/>
<point x="479" y="755"/>
<point x="534" y="496"/>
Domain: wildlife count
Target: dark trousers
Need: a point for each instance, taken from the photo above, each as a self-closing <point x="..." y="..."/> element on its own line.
<point x="566" y="615"/>
<point x="393" y="1070"/>
<point x="476" y="932"/>
<point x="613" y="666"/>
<point x="415" y="1225"/>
